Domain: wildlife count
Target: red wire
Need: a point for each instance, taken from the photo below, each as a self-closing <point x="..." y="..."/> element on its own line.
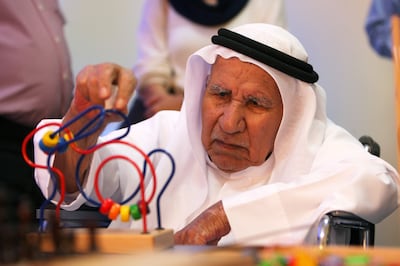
<point x="61" y="177"/>
<point x="143" y="209"/>
<point x="142" y="189"/>
<point x="34" y="165"/>
<point x="146" y="157"/>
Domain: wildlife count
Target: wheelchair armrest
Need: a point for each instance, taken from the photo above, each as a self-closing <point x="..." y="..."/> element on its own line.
<point x="344" y="228"/>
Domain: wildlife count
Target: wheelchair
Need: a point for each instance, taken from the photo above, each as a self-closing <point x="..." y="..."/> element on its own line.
<point x="344" y="228"/>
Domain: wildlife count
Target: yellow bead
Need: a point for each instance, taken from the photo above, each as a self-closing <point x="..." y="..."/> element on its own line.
<point x="50" y="141"/>
<point x="125" y="214"/>
<point x="68" y="136"/>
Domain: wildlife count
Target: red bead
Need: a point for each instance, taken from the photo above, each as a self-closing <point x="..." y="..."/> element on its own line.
<point x="143" y="206"/>
<point x="106" y="206"/>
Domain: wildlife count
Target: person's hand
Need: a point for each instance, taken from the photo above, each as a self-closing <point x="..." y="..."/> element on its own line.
<point x="206" y="229"/>
<point x="155" y="98"/>
<point x="107" y="84"/>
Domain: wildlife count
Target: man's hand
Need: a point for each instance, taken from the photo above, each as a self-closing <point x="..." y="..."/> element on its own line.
<point x="156" y="97"/>
<point x="104" y="84"/>
<point x="108" y="85"/>
<point x="207" y="229"/>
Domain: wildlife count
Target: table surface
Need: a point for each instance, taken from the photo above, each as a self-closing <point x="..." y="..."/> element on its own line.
<point x="243" y="256"/>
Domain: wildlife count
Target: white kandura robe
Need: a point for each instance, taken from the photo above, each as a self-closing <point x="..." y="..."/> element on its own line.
<point x="316" y="166"/>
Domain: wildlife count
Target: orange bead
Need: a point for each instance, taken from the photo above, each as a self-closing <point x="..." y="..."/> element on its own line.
<point x="68" y="136"/>
<point x="114" y="211"/>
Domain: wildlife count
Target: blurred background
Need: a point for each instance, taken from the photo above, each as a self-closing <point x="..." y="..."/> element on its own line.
<point x="359" y="83"/>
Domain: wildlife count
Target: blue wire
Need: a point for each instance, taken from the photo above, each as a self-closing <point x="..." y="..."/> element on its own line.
<point x="78" y="136"/>
<point x="77" y="179"/>
<point x="78" y="183"/>
<point x="166" y="183"/>
<point x="52" y="195"/>
<point x="76" y="118"/>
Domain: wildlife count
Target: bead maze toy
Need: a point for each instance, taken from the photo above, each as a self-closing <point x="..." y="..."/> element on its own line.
<point x="107" y="240"/>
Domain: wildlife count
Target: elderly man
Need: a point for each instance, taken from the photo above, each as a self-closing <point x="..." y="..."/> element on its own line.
<point x="257" y="159"/>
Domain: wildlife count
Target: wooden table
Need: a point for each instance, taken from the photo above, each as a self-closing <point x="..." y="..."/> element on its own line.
<point x="232" y="256"/>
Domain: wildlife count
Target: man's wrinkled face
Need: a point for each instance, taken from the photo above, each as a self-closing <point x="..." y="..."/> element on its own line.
<point x="241" y="113"/>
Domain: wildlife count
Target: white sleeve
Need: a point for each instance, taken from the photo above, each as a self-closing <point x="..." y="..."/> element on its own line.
<point x="286" y="212"/>
<point x="152" y="63"/>
<point x="43" y="161"/>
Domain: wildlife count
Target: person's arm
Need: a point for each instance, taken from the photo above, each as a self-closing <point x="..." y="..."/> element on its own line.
<point x="207" y="229"/>
<point x="156" y="98"/>
<point x="94" y="86"/>
<point x="152" y="65"/>
<point x="378" y="25"/>
<point x="285" y="212"/>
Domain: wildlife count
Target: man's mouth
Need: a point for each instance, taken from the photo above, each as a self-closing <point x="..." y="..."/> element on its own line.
<point x="228" y="146"/>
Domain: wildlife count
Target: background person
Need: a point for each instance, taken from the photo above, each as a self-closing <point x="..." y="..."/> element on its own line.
<point x="378" y="25"/>
<point x="35" y="83"/>
<point x="170" y="31"/>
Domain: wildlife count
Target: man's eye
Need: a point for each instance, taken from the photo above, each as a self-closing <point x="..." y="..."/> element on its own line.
<point x="219" y="91"/>
<point x="258" y="102"/>
<point x="253" y="102"/>
<point x="223" y="93"/>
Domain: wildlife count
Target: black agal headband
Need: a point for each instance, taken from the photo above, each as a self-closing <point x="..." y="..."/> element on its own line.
<point x="274" y="58"/>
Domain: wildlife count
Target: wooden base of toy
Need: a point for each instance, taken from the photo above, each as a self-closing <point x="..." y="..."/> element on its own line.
<point x="102" y="240"/>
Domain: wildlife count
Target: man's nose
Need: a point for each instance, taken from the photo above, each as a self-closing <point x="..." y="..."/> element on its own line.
<point x="233" y="119"/>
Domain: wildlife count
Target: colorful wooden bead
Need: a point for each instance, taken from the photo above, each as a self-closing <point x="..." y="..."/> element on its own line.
<point x="45" y="148"/>
<point x="125" y="213"/>
<point x="49" y="140"/>
<point x="106" y="206"/>
<point x="144" y="206"/>
<point x="135" y="212"/>
<point x="68" y="136"/>
<point x="62" y="146"/>
<point x="114" y="211"/>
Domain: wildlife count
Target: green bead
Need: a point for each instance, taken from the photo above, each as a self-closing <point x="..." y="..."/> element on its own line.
<point x="264" y="263"/>
<point x="135" y="212"/>
<point x="356" y="260"/>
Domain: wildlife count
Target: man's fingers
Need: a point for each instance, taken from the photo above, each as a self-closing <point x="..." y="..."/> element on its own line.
<point x="104" y="80"/>
<point x="83" y="98"/>
<point x="188" y="237"/>
<point x="108" y="85"/>
<point x="126" y="83"/>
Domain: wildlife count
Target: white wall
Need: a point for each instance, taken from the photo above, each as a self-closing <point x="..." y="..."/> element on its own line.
<point x="101" y="31"/>
<point x="359" y="83"/>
